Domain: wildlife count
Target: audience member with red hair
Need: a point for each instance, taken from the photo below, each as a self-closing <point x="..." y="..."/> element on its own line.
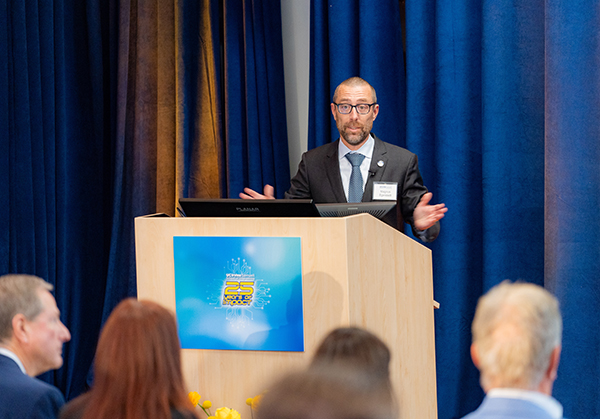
<point x="137" y="370"/>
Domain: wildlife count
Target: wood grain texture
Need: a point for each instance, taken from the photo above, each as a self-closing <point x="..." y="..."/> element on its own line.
<point x="355" y="270"/>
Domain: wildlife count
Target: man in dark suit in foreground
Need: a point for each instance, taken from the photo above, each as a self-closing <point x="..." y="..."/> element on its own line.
<point x="359" y="167"/>
<point x="516" y="346"/>
<point x="31" y="340"/>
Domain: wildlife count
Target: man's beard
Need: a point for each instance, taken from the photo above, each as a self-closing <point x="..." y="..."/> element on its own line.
<point x="354" y="139"/>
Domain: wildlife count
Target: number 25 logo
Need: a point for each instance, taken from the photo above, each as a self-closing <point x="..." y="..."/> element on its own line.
<point x="239" y="287"/>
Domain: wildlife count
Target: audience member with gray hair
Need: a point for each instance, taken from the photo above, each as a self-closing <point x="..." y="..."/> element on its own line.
<point x="31" y="341"/>
<point x="516" y="347"/>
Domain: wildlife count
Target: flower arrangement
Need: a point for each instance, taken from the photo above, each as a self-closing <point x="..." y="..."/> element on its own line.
<point x="220" y="413"/>
<point x="253" y="402"/>
<point x="225" y="413"/>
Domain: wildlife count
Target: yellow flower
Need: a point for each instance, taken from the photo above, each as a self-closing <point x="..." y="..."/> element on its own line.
<point x="194" y="397"/>
<point x="249" y="401"/>
<point x="227" y="413"/>
<point x="206" y="404"/>
<point x="256" y="402"/>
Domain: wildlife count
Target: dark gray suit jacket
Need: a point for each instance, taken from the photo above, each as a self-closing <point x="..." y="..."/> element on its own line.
<point x="319" y="179"/>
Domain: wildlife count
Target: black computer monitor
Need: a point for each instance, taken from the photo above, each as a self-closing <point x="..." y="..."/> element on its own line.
<point x="377" y="209"/>
<point x="198" y="207"/>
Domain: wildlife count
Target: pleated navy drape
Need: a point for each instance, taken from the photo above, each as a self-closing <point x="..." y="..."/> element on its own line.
<point x="572" y="193"/>
<point x="501" y="107"/>
<point x="484" y="111"/>
<point x="255" y="121"/>
<point x="111" y="110"/>
<point x="54" y="162"/>
<point x="339" y="50"/>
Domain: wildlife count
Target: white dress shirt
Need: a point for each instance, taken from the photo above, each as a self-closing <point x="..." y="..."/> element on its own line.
<point x="11" y="355"/>
<point x="346" y="168"/>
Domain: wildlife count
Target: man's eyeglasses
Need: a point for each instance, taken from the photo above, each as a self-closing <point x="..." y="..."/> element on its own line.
<point x="361" y="108"/>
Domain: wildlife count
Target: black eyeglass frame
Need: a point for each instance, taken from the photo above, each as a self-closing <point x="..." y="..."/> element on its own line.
<point x="370" y="105"/>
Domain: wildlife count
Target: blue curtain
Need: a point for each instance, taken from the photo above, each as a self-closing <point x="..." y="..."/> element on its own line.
<point x="572" y="146"/>
<point x="352" y="38"/>
<point x="502" y="109"/>
<point x="111" y="110"/>
<point x="255" y="121"/>
<point x="480" y="131"/>
<point x="55" y="163"/>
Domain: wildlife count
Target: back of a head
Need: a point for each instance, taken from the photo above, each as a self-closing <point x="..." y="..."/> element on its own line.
<point x="515" y="330"/>
<point x="137" y="369"/>
<point x="326" y="393"/>
<point x="356" y="347"/>
<point x="19" y="294"/>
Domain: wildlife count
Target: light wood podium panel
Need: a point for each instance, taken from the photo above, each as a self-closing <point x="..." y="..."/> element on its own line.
<point x="355" y="271"/>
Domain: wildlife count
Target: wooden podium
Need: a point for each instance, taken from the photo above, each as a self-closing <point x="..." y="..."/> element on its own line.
<point x="355" y="271"/>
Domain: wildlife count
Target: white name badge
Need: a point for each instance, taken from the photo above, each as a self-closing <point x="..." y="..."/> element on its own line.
<point x="385" y="191"/>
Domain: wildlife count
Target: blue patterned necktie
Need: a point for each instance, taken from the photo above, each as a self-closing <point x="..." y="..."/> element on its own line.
<point x="355" y="190"/>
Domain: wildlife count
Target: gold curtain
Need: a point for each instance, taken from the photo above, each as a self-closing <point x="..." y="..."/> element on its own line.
<point x="170" y="132"/>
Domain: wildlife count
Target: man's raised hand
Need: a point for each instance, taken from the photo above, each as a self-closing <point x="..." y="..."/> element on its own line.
<point x="268" y="193"/>
<point x="425" y="215"/>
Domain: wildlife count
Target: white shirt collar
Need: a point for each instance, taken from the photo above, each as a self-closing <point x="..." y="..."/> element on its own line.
<point x="548" y="403"/>
<point x="366" y="149"/>
<point x="11" y="355"/>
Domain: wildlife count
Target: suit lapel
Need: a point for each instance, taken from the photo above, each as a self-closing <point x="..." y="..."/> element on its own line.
<point x="377" y="169"/>
<point x="332" y="168"/>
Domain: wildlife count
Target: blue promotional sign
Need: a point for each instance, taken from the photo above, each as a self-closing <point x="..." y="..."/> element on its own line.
<point x="239" y="293"/>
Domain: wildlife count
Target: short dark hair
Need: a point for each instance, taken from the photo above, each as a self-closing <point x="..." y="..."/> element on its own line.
<point x="330" y="392"/>
<point x="357" y="347"/>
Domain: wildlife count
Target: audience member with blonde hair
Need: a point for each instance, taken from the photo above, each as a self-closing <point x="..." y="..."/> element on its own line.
<point x="516" y="346"/>
<point x="137" y="369"/>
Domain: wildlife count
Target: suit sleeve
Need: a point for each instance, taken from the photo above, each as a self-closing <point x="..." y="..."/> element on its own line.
<point x="412" y="191"/>
<point x="300" y="186"/>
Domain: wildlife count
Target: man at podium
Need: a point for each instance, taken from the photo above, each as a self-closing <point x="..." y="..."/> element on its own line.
<point x="359" y="167"/>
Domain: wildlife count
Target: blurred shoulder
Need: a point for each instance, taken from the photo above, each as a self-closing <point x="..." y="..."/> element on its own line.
<point x="179" y="414"/>
<point x="74" y="409"/>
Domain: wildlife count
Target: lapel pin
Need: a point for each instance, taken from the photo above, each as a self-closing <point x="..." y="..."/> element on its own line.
<point x="380" y="163"/>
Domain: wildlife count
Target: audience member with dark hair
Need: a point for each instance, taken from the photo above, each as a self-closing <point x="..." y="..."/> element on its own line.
<point x="328" y="392"/>
<point x="356" y="348"/>
<point x="137" y="369"/>
<point x="31" y="341"/>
